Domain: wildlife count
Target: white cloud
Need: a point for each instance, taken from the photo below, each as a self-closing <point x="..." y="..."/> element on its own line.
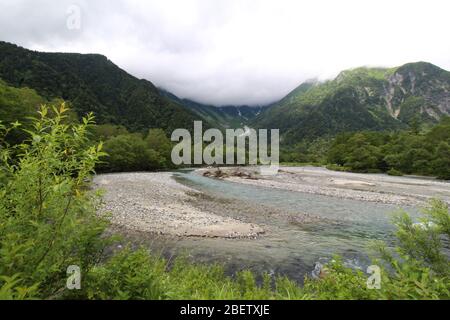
<point x="236" y="51"/>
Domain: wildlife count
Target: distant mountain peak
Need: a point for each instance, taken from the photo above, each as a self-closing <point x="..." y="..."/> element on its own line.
<point x="223" y="117"/>
<point x="362" y="98"/>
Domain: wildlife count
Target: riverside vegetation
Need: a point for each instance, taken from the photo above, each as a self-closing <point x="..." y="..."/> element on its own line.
<point x="49" y="221"/>
<point x="415" y="151"/>
<point x="424" y="151"/>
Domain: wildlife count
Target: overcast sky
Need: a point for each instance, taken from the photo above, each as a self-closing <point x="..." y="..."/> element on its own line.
<point x="235" y="51"/>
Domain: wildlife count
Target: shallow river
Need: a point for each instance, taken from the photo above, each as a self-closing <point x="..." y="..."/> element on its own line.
<point x="346" y="228"/>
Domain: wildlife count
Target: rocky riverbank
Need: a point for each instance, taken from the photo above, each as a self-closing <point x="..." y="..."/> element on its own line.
<point x="155" y="203"/>
<point x="403" y="191"/>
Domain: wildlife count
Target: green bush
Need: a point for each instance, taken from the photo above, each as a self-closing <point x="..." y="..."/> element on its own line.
<point x="393" y="172"/>
<point x="158" y="141"/>
<point x="127" y="275"/>
<point x="138" y="275"/>
<point x="103" y="132"/>
<point x="417" y="268"/>
<point x="48" y="218"/>
<point x="335" y="167"/>
<point x="131" y="152"/>
<point x="441" y="165"/>
<point x="409" y="152"/>
<point x="339" y="283"/>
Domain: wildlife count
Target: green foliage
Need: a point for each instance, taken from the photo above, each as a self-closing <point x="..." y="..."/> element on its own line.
<point x="49" y="221"/>
<point x="48" y="218"/>
<point x="393" y="172"/>
<point x="306" y="151"/>
<point x="133" y="152"/>
<point x="92" y="83"/>
<point x="158" y="141"/>
<point x="340" y="283"/>
<point x="138" y="275"/>
<point x="424" y="242"/>
<point x="127" y="275"/>
<point x="20" y="105"/>
<point x="417" y="268"/>
<point x="362" y="155"/>
<point x="11" y="289"/>
<point x="103" y="132"/>
<point x="361" y="99"/>
<point x="336" y="167"/>
<point x="395" y="153"/>
<point x="17" y="105"/>
<point x="441" y="162"/>
<point x="409" y="112"/>
<point x="420" y="264"/>
<point x="129" y="153"/>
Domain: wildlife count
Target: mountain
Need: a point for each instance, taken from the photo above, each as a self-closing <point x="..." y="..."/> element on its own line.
<point x="357" y="99"/>
<point x="91" y="82"/>
<point x="362" y="99"/>
<point x="219" y="117"/>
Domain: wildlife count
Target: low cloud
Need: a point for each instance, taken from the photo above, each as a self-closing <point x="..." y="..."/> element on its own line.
<point x="235" y="51"/>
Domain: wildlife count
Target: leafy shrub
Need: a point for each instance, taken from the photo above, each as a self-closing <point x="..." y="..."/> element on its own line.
<point x="340" y="283"/>
<point x="127" y="275"/>
<point x="48" y="217"/>
<point x="408" y="152"/>
<point x="393" y="172"/>
<point x="418" y="267"/>
<point x="441" y="165"/>
<point x="129" y="153"/>
<point x="138" y="275"/>
<point x="336" y="167"/>
<point x="158" y="141"/>
<point x="103" y="132"/>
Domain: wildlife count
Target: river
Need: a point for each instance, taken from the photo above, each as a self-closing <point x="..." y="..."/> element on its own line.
<point x="343" y="226"/>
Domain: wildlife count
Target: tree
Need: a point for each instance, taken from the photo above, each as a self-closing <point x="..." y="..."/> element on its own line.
<point x="104" y="132"/>
<point x="129" y="152"/>
<point x="441" y="164"/>
<point x="360" y="154"/>
<point x="159" y="142"/>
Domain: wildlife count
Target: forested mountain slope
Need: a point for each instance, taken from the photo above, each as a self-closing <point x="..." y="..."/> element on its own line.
<point x="362" y="99"/>
<point x="91" y="82"/>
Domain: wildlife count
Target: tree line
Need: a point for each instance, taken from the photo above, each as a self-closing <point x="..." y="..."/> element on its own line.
<point x="397" y="153"/>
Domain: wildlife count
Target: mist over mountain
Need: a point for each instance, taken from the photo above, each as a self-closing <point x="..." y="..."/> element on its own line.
<point x="362" y="99"/>
<point x="357" y="99"/>
<point x="223" y="117"/>
<point x="92" y="83"/>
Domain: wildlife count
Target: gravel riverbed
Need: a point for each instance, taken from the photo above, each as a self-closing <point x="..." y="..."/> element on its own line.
<point x="410" y="191"/>
<point x="155" y="203"/>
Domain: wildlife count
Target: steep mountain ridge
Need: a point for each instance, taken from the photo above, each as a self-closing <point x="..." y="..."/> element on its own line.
<point x="223" y="117"/>
<point x="358" y="99"/>
<point x="362" y="99"/>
